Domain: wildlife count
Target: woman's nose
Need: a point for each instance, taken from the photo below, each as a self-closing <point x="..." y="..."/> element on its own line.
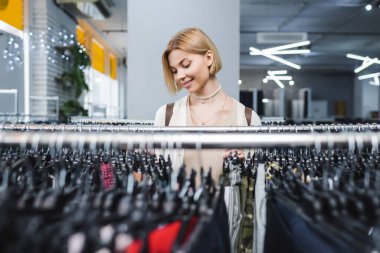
<point x="180" y="74"/>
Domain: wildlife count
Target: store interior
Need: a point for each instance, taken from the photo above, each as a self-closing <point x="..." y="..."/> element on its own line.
<point x="321" y="83"/>
<point x="41" y="47"/>
<point x="83" y="168"/>
<point x="332" y="79"/>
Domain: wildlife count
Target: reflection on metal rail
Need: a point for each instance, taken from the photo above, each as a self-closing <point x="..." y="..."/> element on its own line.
<point x="127" y="128"/>
<point x="189" y="140"/>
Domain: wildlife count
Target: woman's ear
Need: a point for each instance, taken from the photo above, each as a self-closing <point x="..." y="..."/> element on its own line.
<point x="209" y="58"/>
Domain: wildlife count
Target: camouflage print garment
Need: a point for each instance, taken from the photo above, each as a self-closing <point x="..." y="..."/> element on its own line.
<point x="247" y="190"/>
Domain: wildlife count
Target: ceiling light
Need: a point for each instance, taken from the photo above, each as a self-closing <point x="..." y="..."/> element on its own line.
<point x="366" y="61"/>
<point x="240" y="82"/>
<point x="291" y="82"/>
<point x="287" y="46"/>
<point x="277" y="78"/>
<point x="375" y="77"/>
<point x="265" y="100"/>
<point x="281" y="50"/>
<point x="368" y="7"/>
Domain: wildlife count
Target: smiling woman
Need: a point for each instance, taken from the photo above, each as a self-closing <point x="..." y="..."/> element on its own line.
<point x="191" y="61"/>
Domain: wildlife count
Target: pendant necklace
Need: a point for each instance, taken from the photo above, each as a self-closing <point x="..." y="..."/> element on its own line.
<point x="203" y="123"/>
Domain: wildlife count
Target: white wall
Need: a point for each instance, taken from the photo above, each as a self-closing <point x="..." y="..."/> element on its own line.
<point x="151" y="24"/>
<point x="366" y="98"/>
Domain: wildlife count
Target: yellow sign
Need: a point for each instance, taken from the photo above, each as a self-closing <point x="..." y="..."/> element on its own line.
<point x="97" y="59"/>
<point x="11" y="13"/>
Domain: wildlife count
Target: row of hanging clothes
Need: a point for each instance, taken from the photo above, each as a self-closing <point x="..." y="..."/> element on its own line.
<point x="322" y="201"/>
<point x="77" y="191"/>
<point x="90" y="201"/>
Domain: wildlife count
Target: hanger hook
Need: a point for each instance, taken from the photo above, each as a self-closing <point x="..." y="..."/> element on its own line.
<point x="51" y="143"/>
<point x="59" y="140"/>
<point x="24" y="140"/>
<point x="359" y="142"/>
<point x="317" y="142"/>
<point x="330" y="142"/>
<point x="81" y="141"/>
<point x="92" y="142"/>
<point x="35" y="141"/>
<point x="351" y="144"/>
<point x="368" y="126"/>
<point x="374" y="142"/>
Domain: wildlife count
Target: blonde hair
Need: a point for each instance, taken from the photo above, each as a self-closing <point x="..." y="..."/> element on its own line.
<point x="191" y="40"/>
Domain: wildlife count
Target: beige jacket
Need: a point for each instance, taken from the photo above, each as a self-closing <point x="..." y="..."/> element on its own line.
<point x="179" y="119"/>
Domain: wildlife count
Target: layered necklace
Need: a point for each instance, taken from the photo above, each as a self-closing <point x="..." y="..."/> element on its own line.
<point x="204" y="99"/>
<point x="216" y="116"/>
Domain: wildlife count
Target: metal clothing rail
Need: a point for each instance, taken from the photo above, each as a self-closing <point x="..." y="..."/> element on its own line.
<point x="127" y="128"/>
<point x="86" y="120"/>
<point x="189" y="140"/>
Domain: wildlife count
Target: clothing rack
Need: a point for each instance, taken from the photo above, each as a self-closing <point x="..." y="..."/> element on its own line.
<point x="86" y="120"/>
<point x="142" y="128"/>
<point x="189" y="140"/>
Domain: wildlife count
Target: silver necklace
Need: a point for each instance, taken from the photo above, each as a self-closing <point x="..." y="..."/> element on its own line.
<point x="209" y="96"/>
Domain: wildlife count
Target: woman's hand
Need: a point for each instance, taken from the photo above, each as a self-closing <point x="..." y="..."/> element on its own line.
<point x="240" y="153"/>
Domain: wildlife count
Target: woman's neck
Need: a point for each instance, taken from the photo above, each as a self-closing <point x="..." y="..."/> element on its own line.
<point x="209" y="91"/>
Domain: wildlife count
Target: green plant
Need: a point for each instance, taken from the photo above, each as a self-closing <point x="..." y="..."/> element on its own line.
<point x="71" y="108"/>
<point x="73" y="78"/>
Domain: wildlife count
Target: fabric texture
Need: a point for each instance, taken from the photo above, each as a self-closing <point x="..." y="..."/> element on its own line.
<point x="247" y="191"/>
<point x="287" y="231"/>
<point x="162" y="239"/>
<point x="211" y="232"/>
<point x="260" y="213"/>
<point x="233" y="205"/>
<point x="108" y="178"/>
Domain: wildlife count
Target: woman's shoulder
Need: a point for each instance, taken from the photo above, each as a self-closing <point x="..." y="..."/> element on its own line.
<point x="161" y="111"/>
<point x="179" y="102"/>
<point x="241" y="110"/>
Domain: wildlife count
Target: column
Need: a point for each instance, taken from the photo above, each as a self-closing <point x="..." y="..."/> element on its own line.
<point x="150" y="26"/>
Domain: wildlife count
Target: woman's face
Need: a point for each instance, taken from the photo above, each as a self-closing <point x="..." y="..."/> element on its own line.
<point x="191" y="71"/>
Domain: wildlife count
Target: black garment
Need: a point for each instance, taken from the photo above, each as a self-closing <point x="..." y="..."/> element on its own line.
<point x="286" y="231"/>
<point x="211" y="235"/>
